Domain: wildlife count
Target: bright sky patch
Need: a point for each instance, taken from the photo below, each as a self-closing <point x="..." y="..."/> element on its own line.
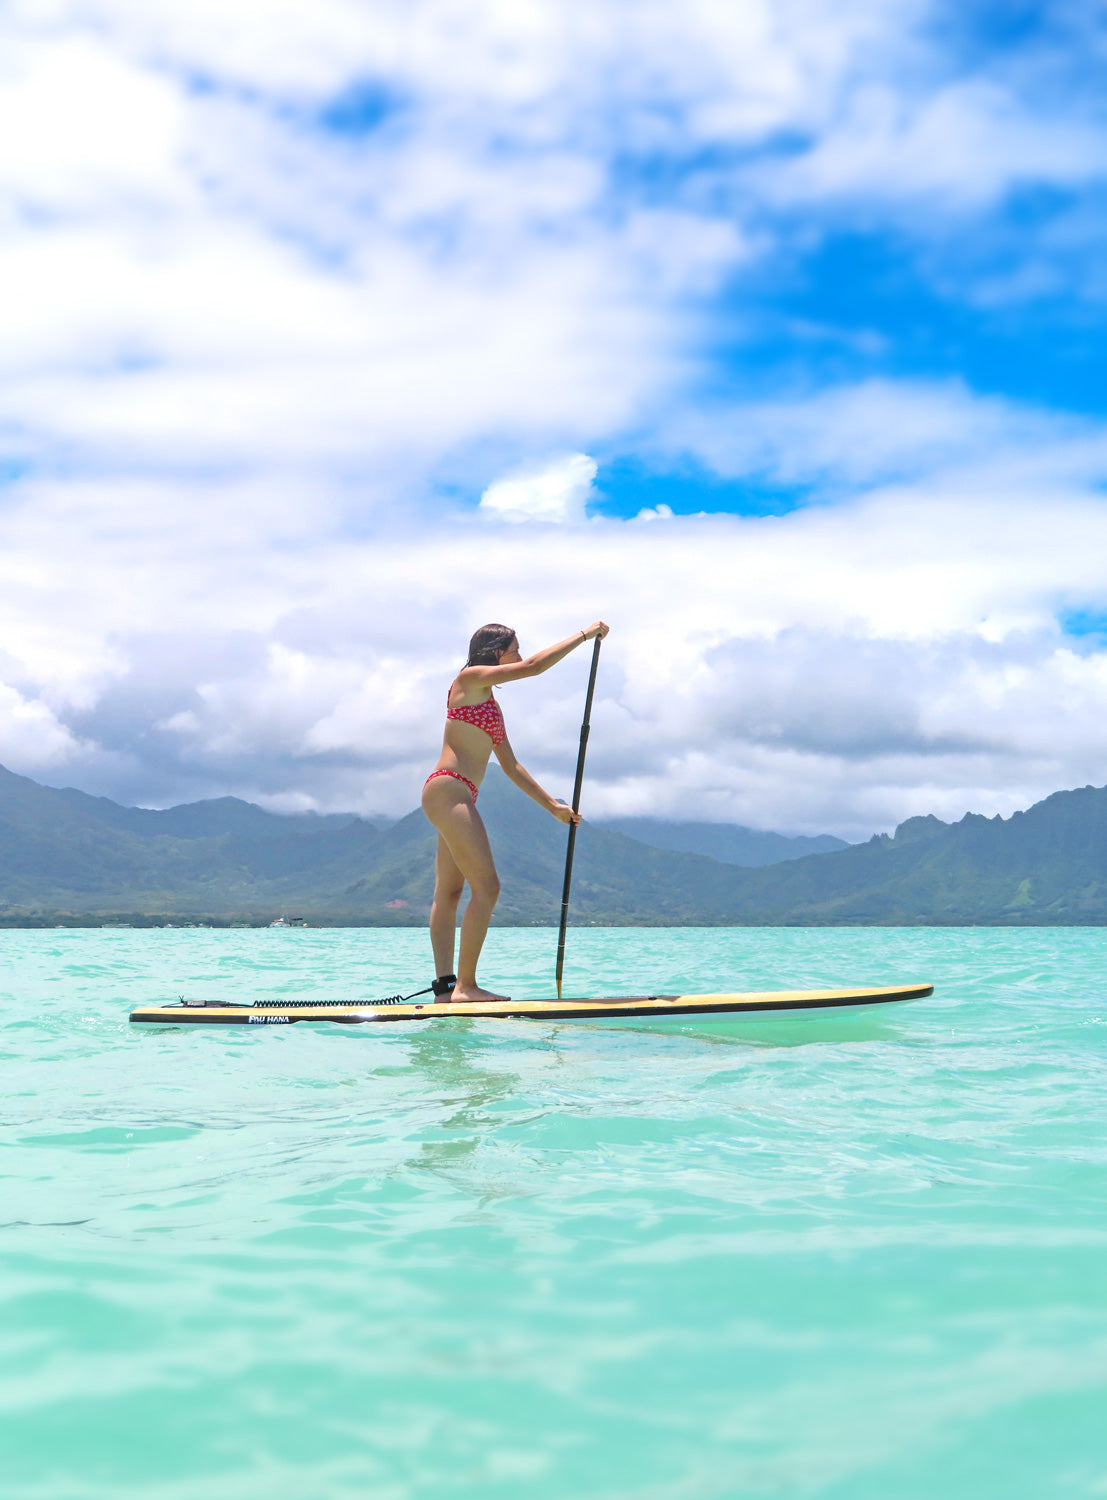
<point x="772" y="333"/>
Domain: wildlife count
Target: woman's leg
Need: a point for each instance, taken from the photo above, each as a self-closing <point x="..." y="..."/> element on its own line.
<point x="448" y="885"/>
<point x="462" y="830"/>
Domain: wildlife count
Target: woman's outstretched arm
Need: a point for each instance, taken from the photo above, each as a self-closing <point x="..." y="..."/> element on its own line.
<point x="531" y="666"/>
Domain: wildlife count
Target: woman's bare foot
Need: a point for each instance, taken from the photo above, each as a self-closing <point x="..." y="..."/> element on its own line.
<point x="472" y="992"/>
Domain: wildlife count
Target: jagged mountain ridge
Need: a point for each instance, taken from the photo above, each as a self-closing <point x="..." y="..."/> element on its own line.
<point x="64" y="852"/>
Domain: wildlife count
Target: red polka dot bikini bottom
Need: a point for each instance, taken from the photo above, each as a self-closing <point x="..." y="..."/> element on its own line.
<point x="457" y="776"/>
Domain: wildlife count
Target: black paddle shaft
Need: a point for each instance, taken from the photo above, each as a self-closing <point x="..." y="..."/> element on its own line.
<point x="576" y="808"/>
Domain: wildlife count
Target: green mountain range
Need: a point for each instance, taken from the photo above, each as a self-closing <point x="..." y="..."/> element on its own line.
<point x="71" y="857"/>
<point x="65" y="853"/>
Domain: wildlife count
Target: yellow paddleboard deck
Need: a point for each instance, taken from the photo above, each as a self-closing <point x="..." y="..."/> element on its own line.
<point x="353" y="1013"/>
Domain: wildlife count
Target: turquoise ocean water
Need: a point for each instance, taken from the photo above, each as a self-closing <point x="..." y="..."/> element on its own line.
<point x="851" y="1255"/>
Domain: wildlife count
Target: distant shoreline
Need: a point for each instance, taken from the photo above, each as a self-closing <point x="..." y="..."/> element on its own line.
<point x="163" y="921"/>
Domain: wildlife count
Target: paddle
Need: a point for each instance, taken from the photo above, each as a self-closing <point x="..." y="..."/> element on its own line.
<point x="576" y="809"/>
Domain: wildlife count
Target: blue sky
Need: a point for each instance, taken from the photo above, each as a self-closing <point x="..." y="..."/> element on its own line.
<point x="771" y="332"/>
<point x="1004" y="295"/>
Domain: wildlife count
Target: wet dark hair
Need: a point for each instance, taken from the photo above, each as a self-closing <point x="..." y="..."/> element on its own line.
<point x="488" y="645"/>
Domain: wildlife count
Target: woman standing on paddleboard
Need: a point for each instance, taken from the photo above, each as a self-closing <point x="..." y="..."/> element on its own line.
<point x="474" y="728"/>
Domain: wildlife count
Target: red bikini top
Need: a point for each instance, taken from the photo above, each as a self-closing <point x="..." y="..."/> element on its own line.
<point x="486" y="716"/>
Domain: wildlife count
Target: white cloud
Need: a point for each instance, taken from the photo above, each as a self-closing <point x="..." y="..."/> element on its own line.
<point x="131" y="126"/>
<point x="276" y="45"/>
<point x="963" y="145"/>
<point x="31" y="737"/>
<point x="850" y="436"/>
<point x="556" y="492"/>
<point x="734" y="70"/>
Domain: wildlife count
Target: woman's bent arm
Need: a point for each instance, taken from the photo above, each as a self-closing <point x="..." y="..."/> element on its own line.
<point x="526" y="783"/>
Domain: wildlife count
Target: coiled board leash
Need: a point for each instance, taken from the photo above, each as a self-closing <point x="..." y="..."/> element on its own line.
<point x="304" y="1004"/>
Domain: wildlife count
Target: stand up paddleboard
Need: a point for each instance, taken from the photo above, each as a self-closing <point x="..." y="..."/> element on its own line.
<point x="354" y="1013"/>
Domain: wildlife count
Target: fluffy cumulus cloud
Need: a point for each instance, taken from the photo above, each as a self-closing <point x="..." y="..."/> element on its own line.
<point x="557" y="491"/>
<point x="322" y="322"/>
